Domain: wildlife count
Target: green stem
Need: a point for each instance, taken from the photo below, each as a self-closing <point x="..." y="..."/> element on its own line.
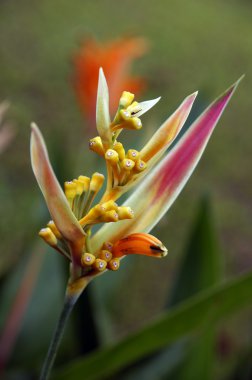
<point x="57" y="336"/>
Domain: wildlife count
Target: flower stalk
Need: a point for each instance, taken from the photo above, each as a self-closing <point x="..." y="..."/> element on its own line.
<point x="72" y="295"/>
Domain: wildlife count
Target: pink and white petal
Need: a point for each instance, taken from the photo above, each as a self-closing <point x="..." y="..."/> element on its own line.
<point x="57" y="204"/>
<point x="168" y="131"/>
<point x="158" y="191"/>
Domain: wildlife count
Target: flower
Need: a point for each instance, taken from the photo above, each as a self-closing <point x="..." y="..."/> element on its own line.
<point x="116" y="58"/>
<point x="126" y="227"/>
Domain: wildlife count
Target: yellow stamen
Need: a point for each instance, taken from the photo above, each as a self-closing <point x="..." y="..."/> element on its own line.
<point x="87" y="259"/>
<point x="140" y="166"/>
<point x="109" y="216"/>
<point x="54" y="229"/>
<point x="70" y="190"/>
<point x="126" y="99"/>
<point x="127" y="164"/>
<point x="118" y="147"/>
<point x="112" y="156"/>
<point x="125" y="212"/>
<point x="96" y="146"/>
<point x="114" y="264"/>
<point x="100" y="265"/>
<point x="96" y="182"/>
<point x="133" y="154"/>
<point x="105" y="255"/>
<point x="86" y="182"/>
<point x="109" y="205"/>
<point x="79" y="186"/>
<point x="48" y="236"/>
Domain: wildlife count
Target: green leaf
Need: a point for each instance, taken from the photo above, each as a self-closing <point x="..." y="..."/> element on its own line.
<point x="200" y="269"/>
<point x="184" y="319"/>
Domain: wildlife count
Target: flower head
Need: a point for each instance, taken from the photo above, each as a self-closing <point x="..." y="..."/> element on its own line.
<point x="125" y="227"/>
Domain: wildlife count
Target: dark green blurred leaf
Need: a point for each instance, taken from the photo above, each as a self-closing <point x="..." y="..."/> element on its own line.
<point x="200" y="269"/>
<point x="184" y="319"/>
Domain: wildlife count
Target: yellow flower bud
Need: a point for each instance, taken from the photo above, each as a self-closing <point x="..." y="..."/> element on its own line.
<point x="86" y="182"/>
<point x="140" y="165"/>
<point x="96" y="182"/>
<point x="118" y="147"/>
<point x="54" y="229"/>
<point x="133" y="154"/>
<point x="126" y="99"/>
<point x="79" y="186"/>
<point x="114" y="264"/>
<point x="70" y="189"/>
<point x="87" y="259"/>
<point x="127" y="164"/>
<point x="109" y="216"/>
<point x="96" y="146"/>
<point x="125" y="212"/>
<point x="48" y="236"/>
<point x="100" y="265"/>
<point x="105" y="255"/>
<point x="112" y="156"/>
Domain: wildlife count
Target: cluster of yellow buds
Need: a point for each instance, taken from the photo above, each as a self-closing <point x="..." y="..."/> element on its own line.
<point x="104" y="260"/>
<point x="124" y="166"/>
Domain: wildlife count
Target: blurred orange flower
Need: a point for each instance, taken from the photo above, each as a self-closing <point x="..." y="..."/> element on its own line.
<point x="116" y="58"/>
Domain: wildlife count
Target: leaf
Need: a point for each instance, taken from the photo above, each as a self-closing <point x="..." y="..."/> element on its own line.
<point x="218" y="303"/>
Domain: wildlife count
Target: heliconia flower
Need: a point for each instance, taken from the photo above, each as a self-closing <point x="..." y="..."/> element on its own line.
<point x="125" y="227"/>
<point x="7" y="131"/>
<point x="116" y="58"/>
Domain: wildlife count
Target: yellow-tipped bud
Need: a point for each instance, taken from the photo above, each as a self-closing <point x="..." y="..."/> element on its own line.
<point x="87" y="259"/>
<point x="48" y="236"/>
<point x="79" y="186"/>
<point x="105" y="255"/>
<point x="128" y="164"/>
<point x="109" y="216"/>
<point x="54" y="229"/>
<point x="96" y="182"/>
<point x="136" y="123"/>
<point x="114" y="264"/>
<point x="70" y="189"/>
<point x="133" y="154"/>
<point x="112" y="156"/>
<point x="95" y="212"/>
<point x="107" y="245"/>
<point x="125" y="212"/>
<point x="126" y="99"/>
<point x="109" y="205"/>
<point x="140" y="166"/>
<point x="141" y="244"/>
<point x="118" y="147"/>
<point x="134" y="108"/>
<point x="100" y="265"/>
<point x="124" y="115"/>
<point x="96" y="146"/>
<point x="86" y="182"/>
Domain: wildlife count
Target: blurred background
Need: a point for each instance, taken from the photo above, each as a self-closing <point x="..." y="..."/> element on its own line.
<point x="182" y="46"/>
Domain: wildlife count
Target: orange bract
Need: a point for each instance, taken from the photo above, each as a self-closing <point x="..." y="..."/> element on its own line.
<point x="115" y="57"/>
